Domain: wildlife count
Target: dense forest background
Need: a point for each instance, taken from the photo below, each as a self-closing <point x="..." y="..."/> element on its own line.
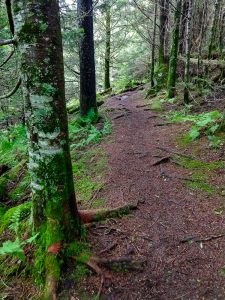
<point x="69" y="71"/>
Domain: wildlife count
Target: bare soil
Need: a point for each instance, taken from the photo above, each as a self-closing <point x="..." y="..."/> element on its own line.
<point x="175" y="229"/>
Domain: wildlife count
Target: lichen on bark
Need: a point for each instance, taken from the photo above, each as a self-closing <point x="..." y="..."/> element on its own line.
<point x="54" y="210"/>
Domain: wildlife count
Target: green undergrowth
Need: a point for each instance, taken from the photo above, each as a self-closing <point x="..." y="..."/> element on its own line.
<point x="205" y="124"/>
<point x="125" y="83"/>
<point x="89" y="172"/>
<point x="13" y="145"/>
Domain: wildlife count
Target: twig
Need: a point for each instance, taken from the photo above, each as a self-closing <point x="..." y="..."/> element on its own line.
<point x="110" y="247"/>
<point x="198" y="240"/>
<point x="119" y="116"/>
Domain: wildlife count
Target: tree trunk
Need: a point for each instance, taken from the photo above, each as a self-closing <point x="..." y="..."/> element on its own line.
<point x="187" y="52"/>
<point x="162" y="31"/>
<point x="107" y="47"/>
<point x="171" y="85"/>
<point x="54" y="210"/>
<point x="87" y="60"/>
<point x="222" y="35"/>
<point x="213" y="45"/>
<point x="183" y="26"/>
<point x="201" y="36"/>
<point x="153" y="47"/>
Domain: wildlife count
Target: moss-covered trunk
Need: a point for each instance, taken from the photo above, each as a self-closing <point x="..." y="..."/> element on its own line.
<point x="172" y="74"/>
<point x="153" y="47"/>
<point x="87" y="61"/>
<point x="164" y="6"/>
<point x="107" y="46"/>
<point x="187" y="53"/>
<point x="55" y="215"/>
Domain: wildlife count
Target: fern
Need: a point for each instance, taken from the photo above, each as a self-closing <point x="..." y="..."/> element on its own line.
<point x="15" y="220"/>
<point x="15" y="248"/>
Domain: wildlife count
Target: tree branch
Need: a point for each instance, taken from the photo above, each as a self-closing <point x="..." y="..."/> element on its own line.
<point x="7" y="42"/>
<point x="7" y="58"/>
<point x="10" y="16"/>
<point x="13" y="90"/>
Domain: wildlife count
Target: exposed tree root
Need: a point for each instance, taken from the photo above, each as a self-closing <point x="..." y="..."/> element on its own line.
<point x="198" y="240"/>
<point x="125" y="262"/>
<point x="162" y="160"/>
<point x="94" y="215"/>
<point x="110" y="247"/>
<point x="120" y="116"/>
<point x="175" y="152"/>
<point x="163" y="124"/>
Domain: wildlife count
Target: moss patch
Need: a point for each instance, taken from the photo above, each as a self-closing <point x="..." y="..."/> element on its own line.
<point x="197" y="164"/>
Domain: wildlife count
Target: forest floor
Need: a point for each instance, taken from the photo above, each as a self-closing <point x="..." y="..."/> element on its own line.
<point x="176" y="234"/>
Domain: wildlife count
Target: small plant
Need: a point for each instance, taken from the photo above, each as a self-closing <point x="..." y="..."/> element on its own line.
<point x="205" y="123"/>
<point x="15" y="248"/>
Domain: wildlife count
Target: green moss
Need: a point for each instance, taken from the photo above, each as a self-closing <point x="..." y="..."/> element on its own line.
<point x="98" y="203"/>
<point x="89" y="171"/>
<point x="203" y="186"/>
<point x="156" y="105"/>
<point x="73" y="105"/>
<point x="18" y="192"/>
<point x="197" y="164"/>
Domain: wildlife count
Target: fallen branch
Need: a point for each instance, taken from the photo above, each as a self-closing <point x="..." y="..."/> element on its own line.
<point x="94" y="215"/>
<point x="7" y="42"/>
<point x="198" y="240"/>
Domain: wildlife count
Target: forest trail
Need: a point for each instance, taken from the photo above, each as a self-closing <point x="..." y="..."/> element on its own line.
<point x="169" y="218"/>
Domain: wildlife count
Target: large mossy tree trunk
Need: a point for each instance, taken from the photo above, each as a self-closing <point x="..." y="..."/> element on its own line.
<point x="163" y="20"/>
<point x="87" y="60"/>
<point x="107" y="45"/>
<point x="153" y="46"/>
<point x="172" y="74"/>
<point x="187" y="53"/>
<point x="54" y="210"/>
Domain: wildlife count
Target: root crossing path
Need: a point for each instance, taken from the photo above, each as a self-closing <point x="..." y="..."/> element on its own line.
<point x="174" y="232"/>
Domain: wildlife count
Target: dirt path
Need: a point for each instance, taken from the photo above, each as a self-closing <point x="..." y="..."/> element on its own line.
<point x="168" y="212"/>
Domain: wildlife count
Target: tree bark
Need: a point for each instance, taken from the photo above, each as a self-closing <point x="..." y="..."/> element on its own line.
<point x="54" y="210"/>
<point x="171" y="85"/>
<point x="183" y="27"/>
<point x="107" y="46"/>
<point x="187" y="52"/>
<point x="87" y="60"/>
<point x="164" y="5"/>
<point x="153" y="47"/>
<point x="213" y="44"/>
